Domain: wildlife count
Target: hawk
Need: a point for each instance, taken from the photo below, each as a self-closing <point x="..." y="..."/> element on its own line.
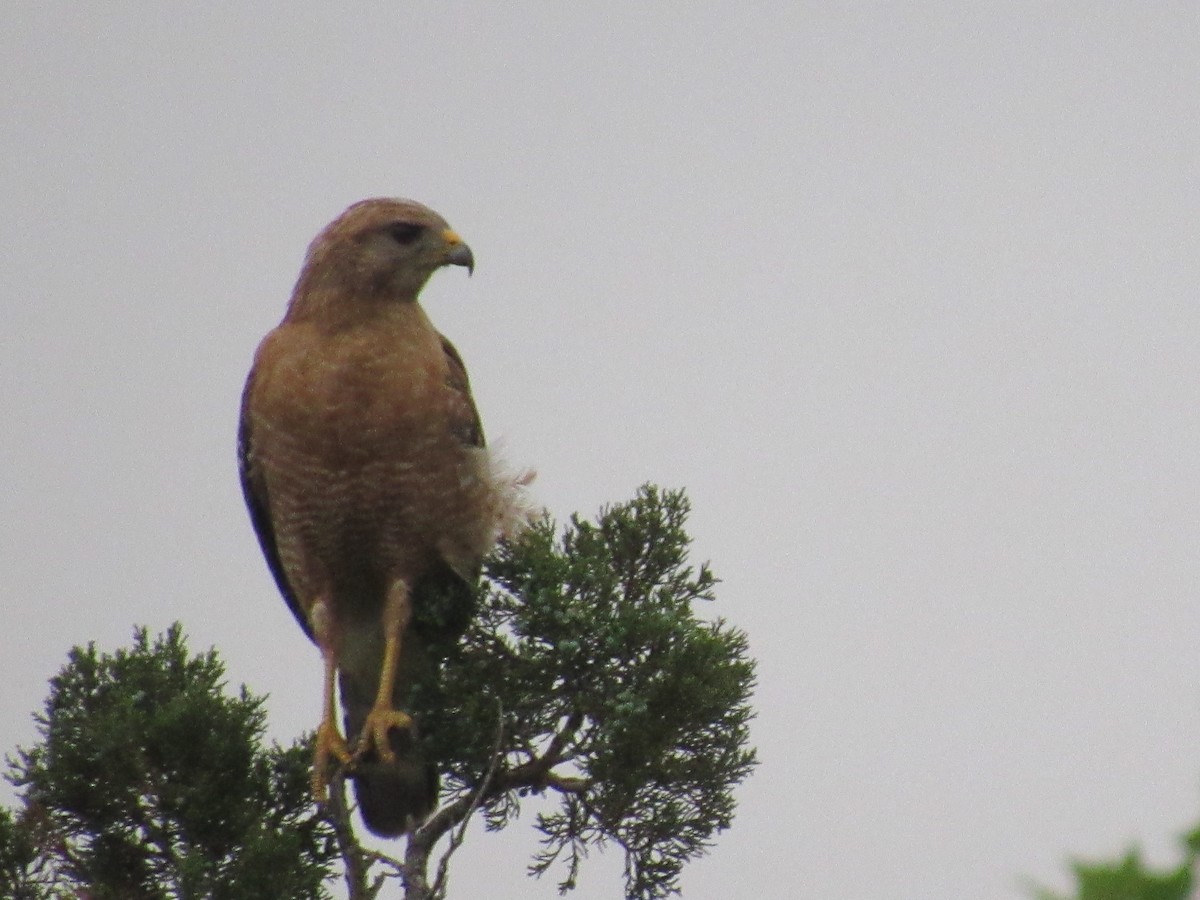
<point x="363" y="466"/>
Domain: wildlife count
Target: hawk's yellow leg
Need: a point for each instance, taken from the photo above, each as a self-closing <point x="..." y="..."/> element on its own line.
<point x="383" y="717"/>
<point x="330" y="744"/>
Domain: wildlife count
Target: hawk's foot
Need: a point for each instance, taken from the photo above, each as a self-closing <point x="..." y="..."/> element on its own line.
<point x="330" y="746"/>
<point x="380" y="720"/>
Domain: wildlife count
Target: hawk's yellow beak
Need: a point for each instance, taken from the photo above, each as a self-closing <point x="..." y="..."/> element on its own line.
<point x="459" y="254"/>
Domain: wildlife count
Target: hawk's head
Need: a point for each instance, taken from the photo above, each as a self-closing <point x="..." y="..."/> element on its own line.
<point x="381" y="249"/>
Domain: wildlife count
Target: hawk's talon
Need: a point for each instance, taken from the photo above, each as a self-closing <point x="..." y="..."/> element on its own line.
<point x="330" y="745"/>
<point x="381" y="720"/>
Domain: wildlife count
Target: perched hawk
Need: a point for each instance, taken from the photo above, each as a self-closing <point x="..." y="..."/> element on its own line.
<point x="363" y="466"/>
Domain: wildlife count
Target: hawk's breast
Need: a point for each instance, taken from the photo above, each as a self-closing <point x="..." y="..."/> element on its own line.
<point x="365" y="471"/>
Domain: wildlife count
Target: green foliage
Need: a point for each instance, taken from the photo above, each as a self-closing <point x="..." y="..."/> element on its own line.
<point x="150" y="782"/>
<point x="1129" y="878"/>
<point x="614" y="694"/>
<point x="21" y="875"/>
<point x="586" y="675"/>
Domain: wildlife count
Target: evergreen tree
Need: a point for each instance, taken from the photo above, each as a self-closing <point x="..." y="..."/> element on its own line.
<point x="150" y="782"/>
<point x="1129" y="878"/>
<point x="586" y="676"/>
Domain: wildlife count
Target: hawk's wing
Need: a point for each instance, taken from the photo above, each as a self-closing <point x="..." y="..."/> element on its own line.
<point x="254" y="489"/>
<point x="464" y="422"/>
<point x="464" y="418"/>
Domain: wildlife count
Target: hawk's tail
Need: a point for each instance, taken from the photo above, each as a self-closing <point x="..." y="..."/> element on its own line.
<point x="396" y="797"/>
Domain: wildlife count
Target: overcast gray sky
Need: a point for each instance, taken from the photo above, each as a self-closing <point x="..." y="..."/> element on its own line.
<point x="904" y="294"/>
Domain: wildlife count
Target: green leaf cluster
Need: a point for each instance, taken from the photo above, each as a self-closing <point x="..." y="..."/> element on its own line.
<point x="1129" y="878"/>
<point x="22" y="874"/>
<point x="604" y="688"/>
<point x="587" y="676"/>
<point x="150" y="782"/>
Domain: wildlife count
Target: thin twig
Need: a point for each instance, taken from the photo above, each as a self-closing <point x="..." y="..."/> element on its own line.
<point x="536" y="773"/>
<point x="456" y="837"/>
<point x="554" y="753"/>
<point x="376" y="856"/>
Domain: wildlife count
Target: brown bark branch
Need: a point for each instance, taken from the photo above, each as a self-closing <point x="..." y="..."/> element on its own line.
<point x="453" y="818"/>
<point x="536" y="773"/>
<point x="568" y="784"/>
<point x="357" y="867"/>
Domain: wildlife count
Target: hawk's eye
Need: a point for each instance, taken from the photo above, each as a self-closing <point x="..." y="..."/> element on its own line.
<point x="405" y="232"/>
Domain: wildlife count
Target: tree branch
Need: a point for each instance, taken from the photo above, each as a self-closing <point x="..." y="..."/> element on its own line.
<point x="337" y="814"/>
<point x="535" y="773"/>
<point x="568" y="784"/>
<point x="456" y="838"/>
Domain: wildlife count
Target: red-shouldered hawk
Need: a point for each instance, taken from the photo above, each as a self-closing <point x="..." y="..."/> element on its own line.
<point x="363" y="466"/>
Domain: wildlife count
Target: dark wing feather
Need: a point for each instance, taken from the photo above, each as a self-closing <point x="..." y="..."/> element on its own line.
<point x="464" y="416"/>
<point x="255" y="492"/>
